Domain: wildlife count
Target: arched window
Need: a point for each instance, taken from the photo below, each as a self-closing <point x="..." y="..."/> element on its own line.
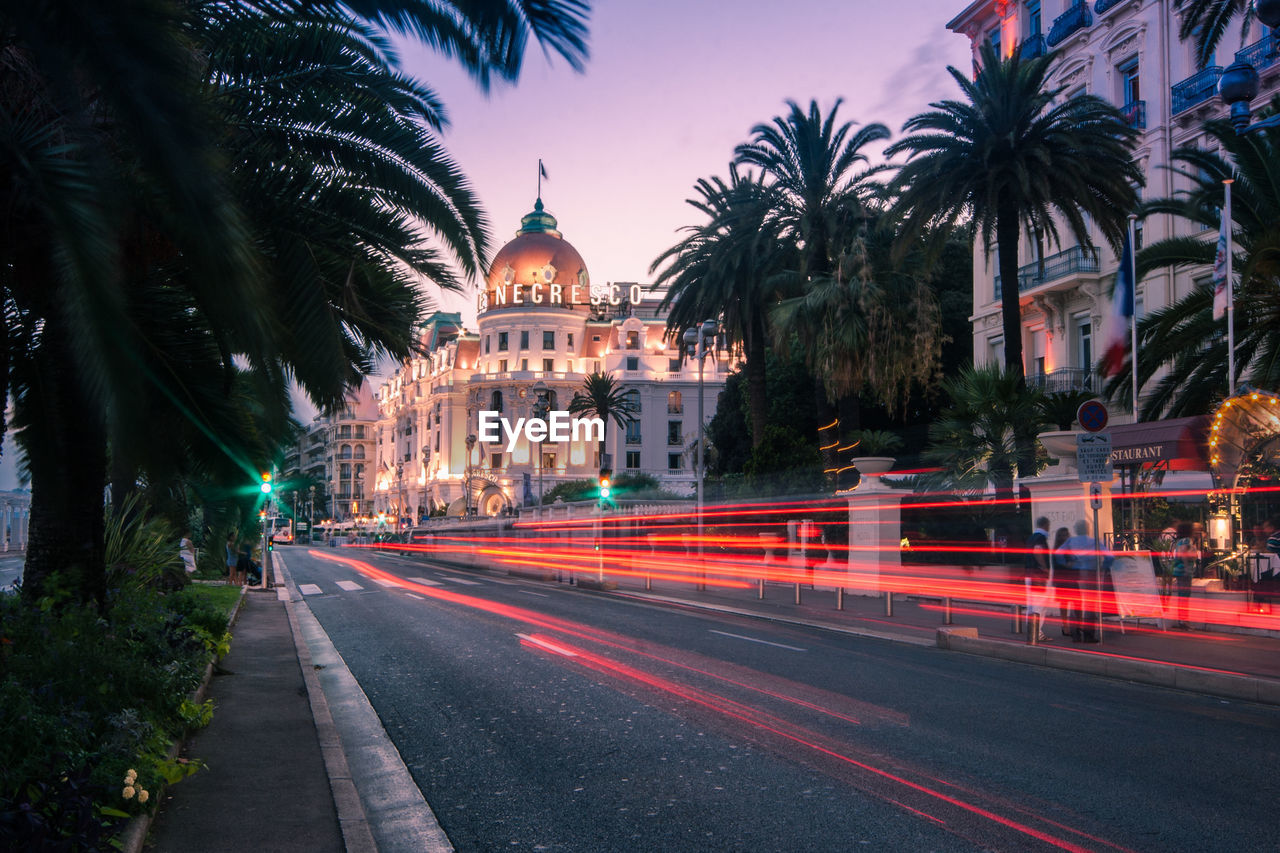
<point x="359" y="452"/>
<point x="675" y="403"/>
<point x="496" y="401"/>
<point x="344" y="452"/>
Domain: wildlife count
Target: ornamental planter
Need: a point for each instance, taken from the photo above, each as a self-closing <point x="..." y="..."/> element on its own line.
<point x="873" y="465"/>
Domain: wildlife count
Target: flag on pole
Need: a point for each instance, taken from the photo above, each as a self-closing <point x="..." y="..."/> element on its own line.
<point x="1121" y="314"/>
<point x="1220" y="270"/>
<point x="542" y="170"/>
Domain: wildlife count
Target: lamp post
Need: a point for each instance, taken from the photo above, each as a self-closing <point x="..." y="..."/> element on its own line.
<point x="1239" y="83"/>
<point x="466" y="477"/>
<point x="697" y="340"/>
<point x="541" y="406"/>
<point x="311" y="513"/>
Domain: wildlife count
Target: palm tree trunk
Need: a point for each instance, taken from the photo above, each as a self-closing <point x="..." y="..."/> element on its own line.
<point x="826" y="414"/>
<point x="757" y="390"/>
<point x="66" y="450"/>
<point x="1011" y="316"/>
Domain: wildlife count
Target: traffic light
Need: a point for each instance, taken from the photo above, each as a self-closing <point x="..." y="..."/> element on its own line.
<point x="271" y="543"/>
<point x="605" y="481"/>
<point x="266" y="482"/>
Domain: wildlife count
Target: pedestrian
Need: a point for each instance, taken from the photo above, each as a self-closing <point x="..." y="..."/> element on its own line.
<point x="1186" y="556"/>
<point x="1061" y="563"/>
<point x="1081" y="580"/>
<point x="187" y="551"/>
<point x="1272" y="541"/>
<point x="1036" y="577"/>
<point x="233" y="561"/>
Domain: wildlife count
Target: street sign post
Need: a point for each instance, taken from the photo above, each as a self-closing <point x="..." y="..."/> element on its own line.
<point x="1093" y="457"/>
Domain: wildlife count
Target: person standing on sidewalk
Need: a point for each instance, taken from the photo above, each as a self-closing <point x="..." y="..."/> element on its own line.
<point x="1186" y="557"/>
<point x="1061" y="562"/>
<point x="233" y="559"/>
<point x="1080" y="580"/>
<point x="1036" y="577"/>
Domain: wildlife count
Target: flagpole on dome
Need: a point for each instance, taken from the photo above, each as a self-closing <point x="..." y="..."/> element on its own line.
<point x="1231" y="300"/>
<point x="1133" y="318"/>
<point x="542" y="173"/>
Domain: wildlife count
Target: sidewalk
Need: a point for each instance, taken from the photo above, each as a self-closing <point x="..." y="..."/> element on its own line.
<point x="265" y="787"/>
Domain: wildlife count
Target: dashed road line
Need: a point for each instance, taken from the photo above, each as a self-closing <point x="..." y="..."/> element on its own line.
<point x="384" y="582"/>
<point x="411" y="595"/>
<point x="757" y="640"/>
<point x="462" y="581"/>
<point x="549" y="646"/>
<point x="350" y="586"/>
<point x="310" y="589"/>
<point x="425" y="581"/>
<point x="539" y="594"/>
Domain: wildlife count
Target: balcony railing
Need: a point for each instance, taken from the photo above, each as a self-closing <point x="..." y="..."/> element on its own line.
<point x="1075" y="18"/>
<point x="1063" y="379"/>
<point x="1033" y="47"/>
<point x="1261" y="54"/>
<point x="1135" y="114"/>
<point x="1067" y="262"/>
<point x="1196" y="89"/>
<point x="1104" y="6"/>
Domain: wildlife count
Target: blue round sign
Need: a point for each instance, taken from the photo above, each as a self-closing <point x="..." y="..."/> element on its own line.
<point x="1092" y="415"/>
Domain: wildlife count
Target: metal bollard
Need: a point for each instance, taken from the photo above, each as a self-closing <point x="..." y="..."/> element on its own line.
<point x="1032" y="639"/>
<point x="839" y="598"/>
<point x="1017" y="619"/>
<point x="797" y="592"/>
<point x="946" y="610"/>
<point x="760" y="589"/>
<point x="888" y="602"/>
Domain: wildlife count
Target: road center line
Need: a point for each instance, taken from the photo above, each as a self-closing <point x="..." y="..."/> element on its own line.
<point x="755" y="640"/>
<point x="411" y="595"/>
<point x="551" y="647"/>
<point x="539" y="594"/>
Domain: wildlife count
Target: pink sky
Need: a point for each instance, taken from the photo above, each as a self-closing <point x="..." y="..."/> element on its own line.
<point x="669" y="90"/>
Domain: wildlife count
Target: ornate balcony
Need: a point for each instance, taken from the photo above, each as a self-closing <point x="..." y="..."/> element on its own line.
<point x="1065" y="263"/>
<point x="1196" y="89"/>
<point x="1033" y="47"/>
<point x="1075" y="18"/>
<point x="1063" y="379"/>
<point x="1104" y="6"/>
<point x="1262" y="54"/>
<point x="1135" y="114"/>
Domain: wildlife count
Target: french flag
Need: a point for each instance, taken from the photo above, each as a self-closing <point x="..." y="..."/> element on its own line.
<point x="1113" y="357"/>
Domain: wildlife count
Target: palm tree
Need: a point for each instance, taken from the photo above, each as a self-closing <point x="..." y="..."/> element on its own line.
<point x="600" y="397"/>
<point x="816" y="166"/>
<point x="1013" y="155"/>
<point x="163" y="151"/>
<point x="725" y="268"/>
<point x="1183" y="337"/>
<point x="976" y="442"/>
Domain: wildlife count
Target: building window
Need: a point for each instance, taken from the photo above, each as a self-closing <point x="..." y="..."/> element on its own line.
<point x="633" y="362"/>
<point x="495" y="460"/>
<point x="548" y="461"/>
<point x="994" y="37"/>
<point x="595" y="339"/>
<point x="487" y="341"/>
<point x="524" y="340"/>
<point x="569" y="345"/>
<point x="549" y="340"/>
<point x="675" y="431"/>
<point x="502" y="341"/>
<point x="633" y="459"/>
<point x="437" y="442"/>
<point x="548" y="365"/>
<point x="595" y="366"/>
<point x="675" y="403"/>
<point x="568" y="365"/>
<point x="1035" y="21"/>
<point x="1084" y="344"/>
<point x="359" y="430"/>
<point x="633" y="397"/>
<point x="359" y="451"/>
<point x="495" y="401"/>
<point x="675" y="461"/>
<point x="633" y="340"/>
<point x="673" y="365"/>
<point x="344" y="452"/>
<point x="502" y="365"/>
<point x="524" y="364"/>
<point x="1129" y="91"/>
<point x="345" y="471"/>
<point x="359" y="471"/>
<point x="633" y="432"/>
<point x="344" y="431"/>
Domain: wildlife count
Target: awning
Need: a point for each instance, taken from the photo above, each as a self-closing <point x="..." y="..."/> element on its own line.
<point x="1177" y="444"/>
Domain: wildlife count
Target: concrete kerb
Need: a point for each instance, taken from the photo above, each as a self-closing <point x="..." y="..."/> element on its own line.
<point x="405" y="821"/>
<point x="135" y="831"/>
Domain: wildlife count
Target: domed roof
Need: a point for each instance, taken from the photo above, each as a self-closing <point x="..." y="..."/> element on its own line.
<point x="538" y="255"/>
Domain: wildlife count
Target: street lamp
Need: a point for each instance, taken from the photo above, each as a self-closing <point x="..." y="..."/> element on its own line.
<point x="1239" y="83"/>
<point x="698" y="340"/>
<point x="541" y="407"/>
<point x="466" y="481"/>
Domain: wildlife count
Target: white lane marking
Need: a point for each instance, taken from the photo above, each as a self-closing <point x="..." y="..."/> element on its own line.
<point x="551" y="647"/>
<point x="461" y="581"/>
<point x="350" y="586"/>
<point x="310" y="589"/>
<point x="755" y="640"/>
<point x="425" y="581"/>
<point x="411" y="595"/>
<point x="384" y="582"/>
<point x="539" y="594"/>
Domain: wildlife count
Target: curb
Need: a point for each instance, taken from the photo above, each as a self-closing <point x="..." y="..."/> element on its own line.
<point x="357" y="836"/>
<point x="135" y="831"/>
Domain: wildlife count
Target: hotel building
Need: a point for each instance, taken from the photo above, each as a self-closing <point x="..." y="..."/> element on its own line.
<point x="543" y="327"/>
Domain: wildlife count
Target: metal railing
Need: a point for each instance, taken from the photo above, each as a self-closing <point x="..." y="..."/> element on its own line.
<point x="1104" y="6"/>
<point x="1261" y="54"/>
<point x="1196" y="89"/>
<point x="1067" y="262"/>
<point x="1135" y="114"/>
<point x="1033" y="47"/>
<point x="1075" y="18"/>
<point x="1064" y="379"/>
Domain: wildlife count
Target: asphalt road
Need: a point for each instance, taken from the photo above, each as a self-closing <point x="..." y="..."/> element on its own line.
<point x="10" y="570"/>
<point x="542" y="717"/>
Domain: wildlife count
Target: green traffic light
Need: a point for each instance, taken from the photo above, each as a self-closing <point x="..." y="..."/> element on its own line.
<point x="266" y="488"/>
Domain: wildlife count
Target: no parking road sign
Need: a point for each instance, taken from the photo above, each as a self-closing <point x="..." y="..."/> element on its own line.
<point x="1092" y="415"/>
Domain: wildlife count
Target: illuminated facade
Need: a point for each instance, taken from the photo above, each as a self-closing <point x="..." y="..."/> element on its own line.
<point x="1127" y="52"/>
<point x="542" y="328"/>
<point x="336" y="452"/>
